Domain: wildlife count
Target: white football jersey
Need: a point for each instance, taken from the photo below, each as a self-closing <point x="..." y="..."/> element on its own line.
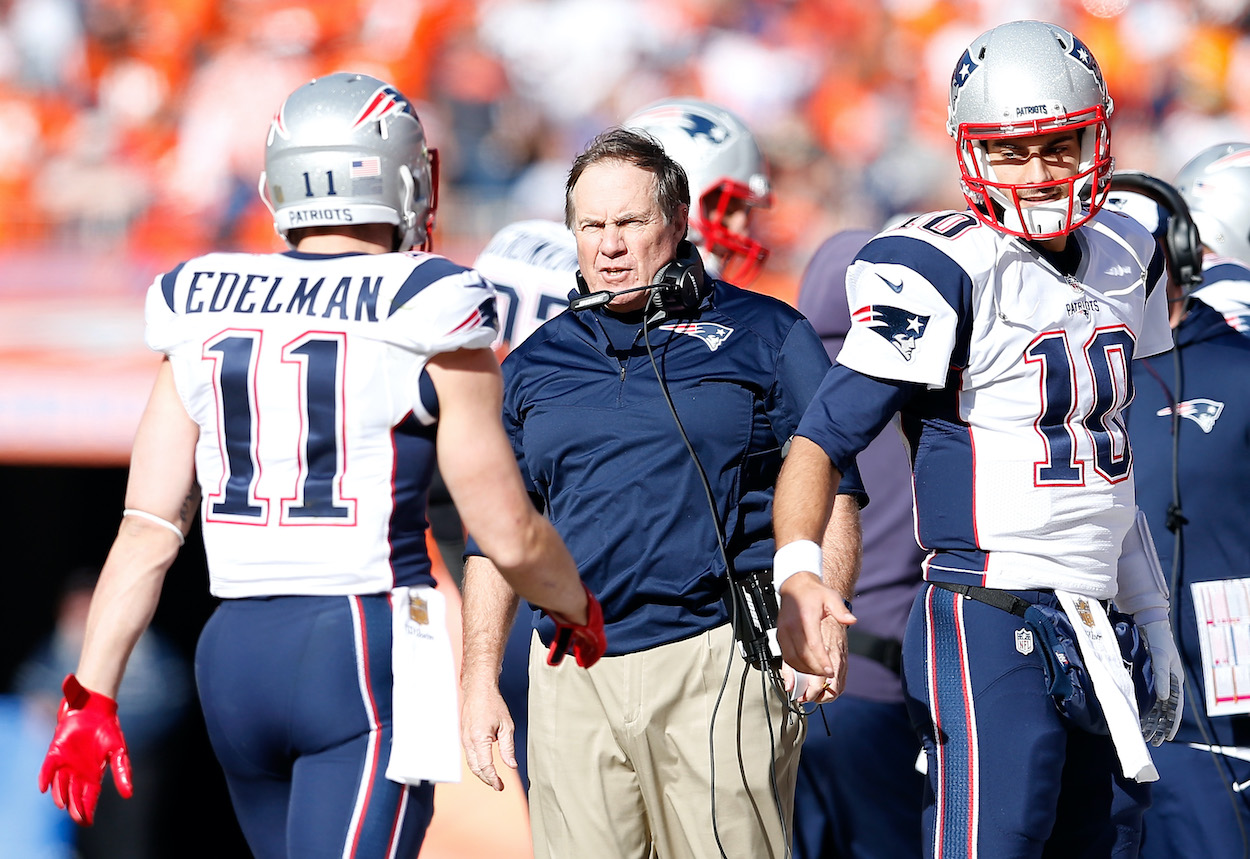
<point x="305" y="375"/>
<point x="531" y="264"/>
<point x="1023" y="473"/>
<point x="1226" y="287"/>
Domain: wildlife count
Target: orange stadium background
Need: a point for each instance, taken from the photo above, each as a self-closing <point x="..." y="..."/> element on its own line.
<point x="131" y="137"/>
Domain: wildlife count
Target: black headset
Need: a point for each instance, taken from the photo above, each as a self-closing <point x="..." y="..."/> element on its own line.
<point x="1184" y="246"/>
<point x="681" y="283"/>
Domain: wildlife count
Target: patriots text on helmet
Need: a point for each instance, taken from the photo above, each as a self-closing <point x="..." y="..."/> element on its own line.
<point x="318" y="216"/>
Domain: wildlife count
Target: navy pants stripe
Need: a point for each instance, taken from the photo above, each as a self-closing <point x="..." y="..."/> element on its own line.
<point x="296" y="693"/>
<point x="950" y="702"/>
<point x="1008" y="775"/>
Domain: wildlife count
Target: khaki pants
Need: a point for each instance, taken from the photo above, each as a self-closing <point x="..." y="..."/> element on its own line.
<point x="619" y="757"/>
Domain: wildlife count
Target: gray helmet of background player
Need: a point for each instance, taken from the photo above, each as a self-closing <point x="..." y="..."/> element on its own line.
<point x="349" y="149"/>
<point x="1023" y="79"/>
<point x="1216" y="185"/>
<point x="727" y="174"/>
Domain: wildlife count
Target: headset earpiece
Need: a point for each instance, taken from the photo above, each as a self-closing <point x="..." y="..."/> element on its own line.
<point x="681" y="283"/>
<point x="1184" y="245"/>
<point x="677" y="288"/>
<point x="1184" y="251"/>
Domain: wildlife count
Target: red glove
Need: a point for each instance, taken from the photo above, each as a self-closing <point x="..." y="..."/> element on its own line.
<point x="587" y="641"/>
<point x="88" y="738"/>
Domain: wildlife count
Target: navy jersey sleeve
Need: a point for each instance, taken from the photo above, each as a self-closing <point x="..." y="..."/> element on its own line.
<point x="849" y="411"/>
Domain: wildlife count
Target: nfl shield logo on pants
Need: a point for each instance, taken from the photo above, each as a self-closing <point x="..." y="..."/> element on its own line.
<point x="1024" y="640"/>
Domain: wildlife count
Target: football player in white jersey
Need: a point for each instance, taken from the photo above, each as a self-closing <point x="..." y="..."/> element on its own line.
<point x="728" y="180"/>
<point x="1002" y="335"/>
<point x="1216" y="185"/>
<point x="302" y="403"/>
<point x="531" y="264"/>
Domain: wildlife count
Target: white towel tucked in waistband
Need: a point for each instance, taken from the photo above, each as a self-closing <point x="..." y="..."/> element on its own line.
<point x="426" y="742"/>
<point x="1112" y="683"/>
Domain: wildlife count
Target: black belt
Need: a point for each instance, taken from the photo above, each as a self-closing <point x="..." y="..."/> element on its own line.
<point x="1004" y="600"/>
<point x="886" y="651"/>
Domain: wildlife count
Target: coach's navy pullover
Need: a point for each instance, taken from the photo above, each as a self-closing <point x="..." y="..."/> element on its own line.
<point x="601" y="452"/>
<point x="1213" y="469"/>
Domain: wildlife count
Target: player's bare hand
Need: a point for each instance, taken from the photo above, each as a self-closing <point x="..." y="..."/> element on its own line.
<point x="805" y="688"/>
<point x="485" y="721"/>
<point x="811" y="629"/>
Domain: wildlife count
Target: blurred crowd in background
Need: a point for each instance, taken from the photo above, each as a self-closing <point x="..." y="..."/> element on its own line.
<point x="136" y="125"/>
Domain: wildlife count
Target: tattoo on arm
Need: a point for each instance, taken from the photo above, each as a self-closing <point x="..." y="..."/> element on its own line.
<point x="186" y="513"/>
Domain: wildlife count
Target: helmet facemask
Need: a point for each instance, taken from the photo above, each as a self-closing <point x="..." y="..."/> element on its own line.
<point x="997" y="203"/>
<point x="741" y="257"/>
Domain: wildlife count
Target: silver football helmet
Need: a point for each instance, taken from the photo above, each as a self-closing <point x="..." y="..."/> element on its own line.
<point x="1216" y="185"/>
<point x="1022" y="79"/>
<point x="349" y="149"/>
<point x="726" y="170"/>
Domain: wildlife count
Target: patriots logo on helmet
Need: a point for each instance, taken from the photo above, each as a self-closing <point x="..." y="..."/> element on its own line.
<point x="709" y="332"/>
<point x="700" y="128"/>
<point x="1082" y="54"/>
<point x="901" y="327"/>
<point x="277" y="128"/>
<point x="1201" y="411"/>
<point x="386" y="101"/>
<point x="1203" y="184"/>
<point x="963" y="70"/>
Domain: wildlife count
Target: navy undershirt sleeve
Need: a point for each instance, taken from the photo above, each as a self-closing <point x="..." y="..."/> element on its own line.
<point x="849" y="411"/>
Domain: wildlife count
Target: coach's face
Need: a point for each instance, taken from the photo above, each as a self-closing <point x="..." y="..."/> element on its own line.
<point x="622" y="239"/>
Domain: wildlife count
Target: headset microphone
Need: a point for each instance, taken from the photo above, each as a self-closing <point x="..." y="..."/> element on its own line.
<point x="588" y="300"/>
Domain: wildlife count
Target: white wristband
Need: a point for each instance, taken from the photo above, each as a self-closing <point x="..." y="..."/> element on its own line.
<point x="801" y="556"/>
<point x="151" y="517"/>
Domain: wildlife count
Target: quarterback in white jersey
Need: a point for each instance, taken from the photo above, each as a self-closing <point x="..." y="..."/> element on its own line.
<point x="303" y="401"/>
<point x="951" y="304"/>
<point x="1003" y="336"/>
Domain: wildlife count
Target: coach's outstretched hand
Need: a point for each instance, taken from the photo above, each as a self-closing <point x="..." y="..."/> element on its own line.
<point x="88" y="738"/>
<point x="586" y="641"/>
